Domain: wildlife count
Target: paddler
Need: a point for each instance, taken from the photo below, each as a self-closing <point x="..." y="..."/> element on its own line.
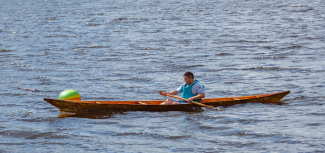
<point x="192" y="90"/>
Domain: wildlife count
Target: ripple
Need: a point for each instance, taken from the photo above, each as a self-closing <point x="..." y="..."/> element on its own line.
<point x="224" y="54"/>
<point x="5" y="50"/>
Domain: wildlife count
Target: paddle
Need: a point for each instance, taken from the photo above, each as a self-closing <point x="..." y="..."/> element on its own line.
<point x="193" y="102"/>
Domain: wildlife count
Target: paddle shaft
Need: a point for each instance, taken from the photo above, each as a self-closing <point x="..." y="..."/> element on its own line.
<point x="193" y="102"/>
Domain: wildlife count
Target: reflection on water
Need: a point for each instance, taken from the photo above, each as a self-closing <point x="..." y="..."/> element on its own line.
<point x="90" y="115"/>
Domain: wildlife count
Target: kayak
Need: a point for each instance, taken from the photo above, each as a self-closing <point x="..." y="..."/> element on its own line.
<point x="154" y="105"/>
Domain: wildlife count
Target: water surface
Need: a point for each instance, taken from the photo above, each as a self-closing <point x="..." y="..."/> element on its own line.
<point x="129" y="50"/>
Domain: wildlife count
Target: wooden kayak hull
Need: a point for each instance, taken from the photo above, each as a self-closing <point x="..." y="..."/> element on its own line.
<point x="154" y="105"/>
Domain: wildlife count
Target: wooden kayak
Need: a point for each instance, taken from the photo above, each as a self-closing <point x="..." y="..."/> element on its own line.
<point x="154" y="105"/>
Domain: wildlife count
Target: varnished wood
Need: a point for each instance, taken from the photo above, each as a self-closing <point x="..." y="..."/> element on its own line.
<point x="154" y="105"/>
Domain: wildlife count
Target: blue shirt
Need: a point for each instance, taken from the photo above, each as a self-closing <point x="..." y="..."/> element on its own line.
<point x="197" y="88"/>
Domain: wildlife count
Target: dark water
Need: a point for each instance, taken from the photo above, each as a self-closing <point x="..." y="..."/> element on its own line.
<point x="129" y="50"/>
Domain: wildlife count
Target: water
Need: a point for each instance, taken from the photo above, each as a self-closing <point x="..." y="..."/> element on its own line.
<point x="129" y="50"/>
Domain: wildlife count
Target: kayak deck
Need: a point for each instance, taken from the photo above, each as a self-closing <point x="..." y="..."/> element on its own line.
<point x="154" y="105"/>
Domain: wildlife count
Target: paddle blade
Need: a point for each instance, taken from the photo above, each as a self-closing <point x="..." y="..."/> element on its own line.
<point x="160" y="92"/>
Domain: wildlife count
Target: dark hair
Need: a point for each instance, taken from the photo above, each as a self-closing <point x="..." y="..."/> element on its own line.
<point x="189" y="75"/>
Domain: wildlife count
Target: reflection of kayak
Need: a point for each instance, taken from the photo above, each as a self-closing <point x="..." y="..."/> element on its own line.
<point x="154" y="105"/>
